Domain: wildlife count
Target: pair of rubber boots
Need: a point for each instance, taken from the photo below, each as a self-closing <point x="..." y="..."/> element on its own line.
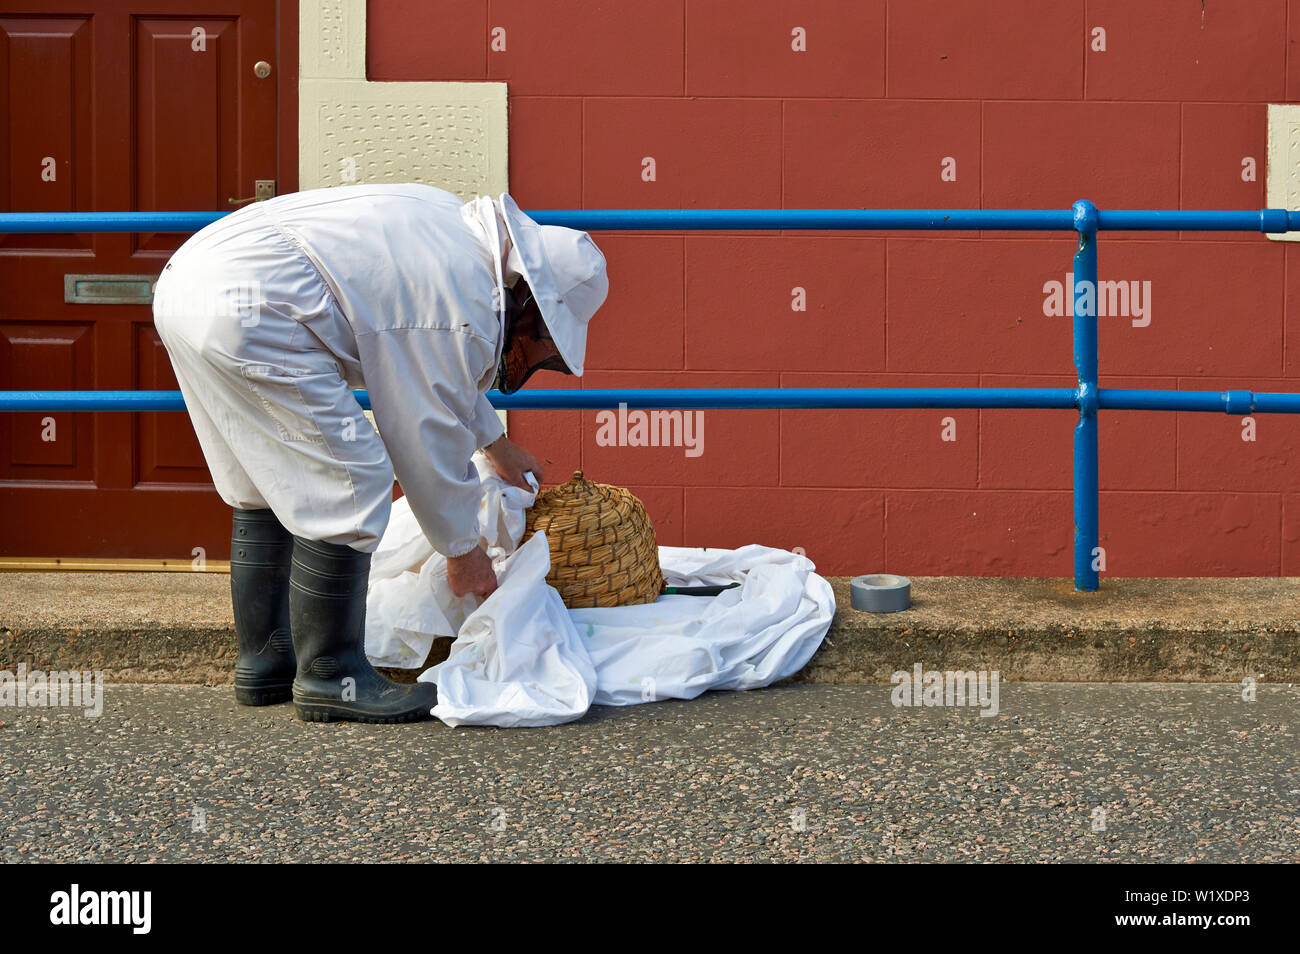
<point x="300" y="615"/>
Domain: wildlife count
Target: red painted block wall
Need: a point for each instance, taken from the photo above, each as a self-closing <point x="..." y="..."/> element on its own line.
<point x="867" y="103"/>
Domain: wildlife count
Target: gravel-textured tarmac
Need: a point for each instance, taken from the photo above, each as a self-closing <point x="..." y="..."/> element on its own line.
<point x="1184" y="773"/>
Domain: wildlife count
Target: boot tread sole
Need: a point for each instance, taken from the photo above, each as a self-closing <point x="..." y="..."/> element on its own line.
<point x="312" y="713"/>
<point x="263" y="696"/>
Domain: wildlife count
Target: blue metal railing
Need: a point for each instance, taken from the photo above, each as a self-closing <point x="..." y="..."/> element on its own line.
<point x="1084" y="218"/>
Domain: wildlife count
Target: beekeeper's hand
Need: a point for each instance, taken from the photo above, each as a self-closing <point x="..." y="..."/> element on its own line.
<point x="511" y="462"/>
<point x="471" y="573"/>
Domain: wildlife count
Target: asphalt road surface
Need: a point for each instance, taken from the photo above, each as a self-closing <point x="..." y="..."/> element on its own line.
<point x="796" y="773"/>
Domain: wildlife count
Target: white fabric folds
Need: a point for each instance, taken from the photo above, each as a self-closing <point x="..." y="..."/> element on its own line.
<point x="520" y="658"/>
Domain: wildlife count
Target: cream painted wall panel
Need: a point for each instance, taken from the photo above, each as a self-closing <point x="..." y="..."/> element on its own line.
<point x="1284" y="162"/>
<point x="452" y="135"/>
<point x="449" y="135"/>
<point x="332" y="39"/>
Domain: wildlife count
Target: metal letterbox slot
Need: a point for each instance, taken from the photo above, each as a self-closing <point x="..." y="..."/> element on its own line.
<point x="109" y="289"/>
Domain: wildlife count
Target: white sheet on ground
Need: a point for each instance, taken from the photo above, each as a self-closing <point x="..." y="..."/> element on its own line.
<point x="522" y="659"/>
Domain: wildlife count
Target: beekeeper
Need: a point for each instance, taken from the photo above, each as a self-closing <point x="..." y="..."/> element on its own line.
<point x="272" y="315"/>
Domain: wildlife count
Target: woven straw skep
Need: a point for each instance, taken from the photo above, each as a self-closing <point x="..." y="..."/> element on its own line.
<point x="603" y="550"/>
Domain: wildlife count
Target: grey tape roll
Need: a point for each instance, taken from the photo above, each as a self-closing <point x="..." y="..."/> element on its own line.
<point x="880" y="593"/>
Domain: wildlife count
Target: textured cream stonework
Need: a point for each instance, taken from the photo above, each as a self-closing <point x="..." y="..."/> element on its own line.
<point x="449" y="135"/>
<point x="350" y="130"/>
<point x="1284" y="163"/>
<point x="332" y="39"/>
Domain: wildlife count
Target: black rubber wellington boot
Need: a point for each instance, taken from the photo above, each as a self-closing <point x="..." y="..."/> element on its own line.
<point x="260" y="552"/>
<point x="335" y="681"/>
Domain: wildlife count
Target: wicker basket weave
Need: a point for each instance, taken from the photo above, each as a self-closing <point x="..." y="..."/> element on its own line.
<point x="603" y="550"/>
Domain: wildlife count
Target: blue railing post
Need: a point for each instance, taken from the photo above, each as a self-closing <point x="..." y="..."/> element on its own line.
<point x="1086" y="484"/>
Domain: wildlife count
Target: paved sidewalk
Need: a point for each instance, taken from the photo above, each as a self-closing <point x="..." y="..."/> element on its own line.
<point x="177" y="628"/>
<point x="1183" y="773"/>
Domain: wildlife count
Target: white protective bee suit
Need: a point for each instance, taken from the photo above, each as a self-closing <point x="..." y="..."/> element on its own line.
<point x="272" y="315"/>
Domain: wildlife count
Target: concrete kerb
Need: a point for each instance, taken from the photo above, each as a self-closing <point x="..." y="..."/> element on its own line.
<point x="177" y="628"/>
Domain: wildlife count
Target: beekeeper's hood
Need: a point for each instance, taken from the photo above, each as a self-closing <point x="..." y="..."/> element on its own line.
<point x="566" y="272"/>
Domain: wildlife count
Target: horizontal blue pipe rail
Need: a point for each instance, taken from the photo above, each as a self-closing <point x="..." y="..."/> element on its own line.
<point x="1113" y="399"/>
<point x="1049" y="220"/>
<point x="1083" y="218"/>
<point x="1228" y="402"/>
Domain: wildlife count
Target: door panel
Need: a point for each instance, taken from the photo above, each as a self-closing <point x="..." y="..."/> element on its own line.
<point x="47" y="162"/>
<point x="137" y="111"/>
<point x="185" y="95"/>
<point x="55" y="445"/>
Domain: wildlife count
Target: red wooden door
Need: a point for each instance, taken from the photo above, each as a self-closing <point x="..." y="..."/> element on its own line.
<point x="125" y="108"/>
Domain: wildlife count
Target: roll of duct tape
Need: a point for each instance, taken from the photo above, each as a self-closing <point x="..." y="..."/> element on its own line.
<point x="880" y="593"/>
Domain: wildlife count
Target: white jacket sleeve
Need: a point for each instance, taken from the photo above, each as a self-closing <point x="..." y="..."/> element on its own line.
<point x="423" y="385"/>
<point x="486" y="426"/>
